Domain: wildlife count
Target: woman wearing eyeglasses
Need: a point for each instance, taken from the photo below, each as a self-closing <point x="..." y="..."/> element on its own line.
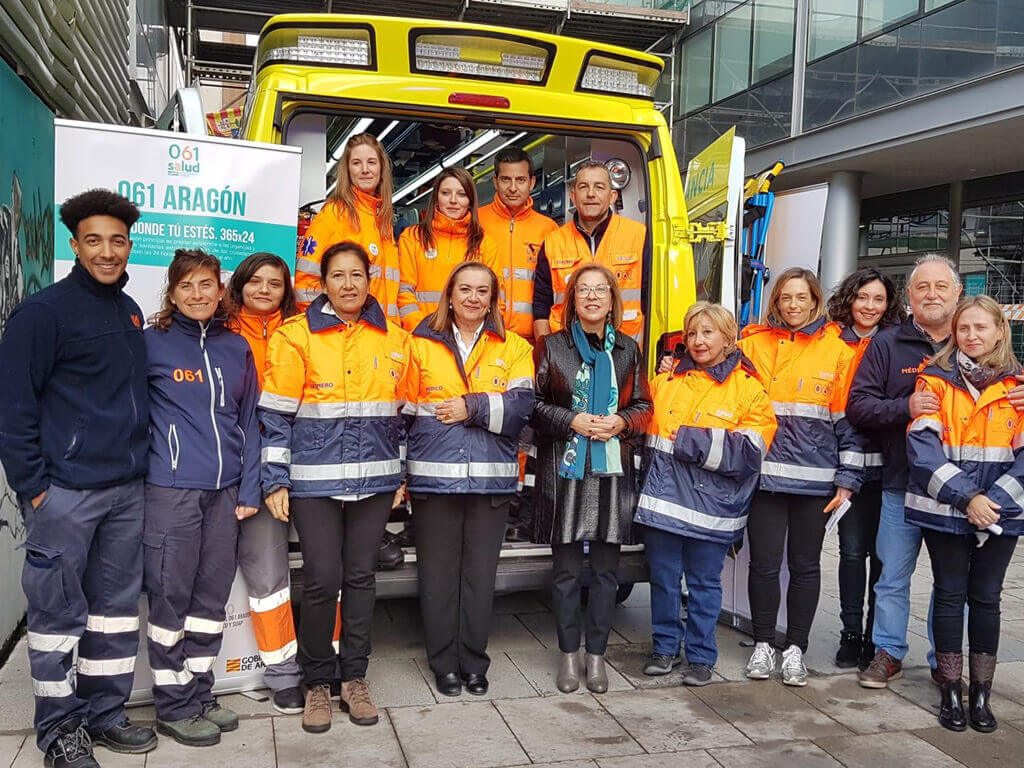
<point x="592" y="403"/>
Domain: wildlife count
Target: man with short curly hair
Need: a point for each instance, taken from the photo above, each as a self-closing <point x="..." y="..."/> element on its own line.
<point x="74" y="437"/>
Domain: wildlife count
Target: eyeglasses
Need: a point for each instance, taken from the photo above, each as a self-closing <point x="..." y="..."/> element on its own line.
<point x="601" y="291"/>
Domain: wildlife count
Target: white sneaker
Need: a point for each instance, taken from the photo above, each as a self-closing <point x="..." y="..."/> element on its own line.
<point x="762" y="662"/>
<point x="793" y="670"/>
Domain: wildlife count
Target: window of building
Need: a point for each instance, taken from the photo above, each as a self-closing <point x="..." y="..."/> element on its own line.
<point x="774" y="22"/>
<point x="695" y="82"/>
<point x="876" y="15"/>
<point x="833" y="25"/>
<point x="908" y="234"/>
<point x="732" y="53"/>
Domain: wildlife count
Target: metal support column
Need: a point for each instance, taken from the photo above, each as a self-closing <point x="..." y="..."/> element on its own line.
<point x="799" y="66"/>
<point x="956" y="220"/>
<point x="840" y="234"/>
<point x="188" y="44"/>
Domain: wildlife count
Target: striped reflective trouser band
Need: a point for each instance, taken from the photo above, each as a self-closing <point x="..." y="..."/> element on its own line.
<point x="464" y="470"/>
<point x="108" y="625"/>
<point x="690" y="516"/>
<point x="54" y="689"/>
<point x="273" y="626"/>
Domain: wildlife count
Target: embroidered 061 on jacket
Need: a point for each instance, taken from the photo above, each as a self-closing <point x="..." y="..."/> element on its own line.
<point x="806" y="375"/>
<point x="700" y="485"/>
<point x="967" y="448"/>
<point x="478" y="455"/>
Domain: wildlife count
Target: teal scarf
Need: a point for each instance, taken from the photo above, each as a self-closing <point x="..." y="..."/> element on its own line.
<point x="595" y="391"/>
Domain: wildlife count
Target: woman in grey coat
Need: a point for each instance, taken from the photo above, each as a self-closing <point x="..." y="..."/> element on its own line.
<point x="593" y="402"/>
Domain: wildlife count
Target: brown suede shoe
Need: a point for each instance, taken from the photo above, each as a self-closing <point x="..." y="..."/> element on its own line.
<point x="880" y="671"/>
<point x="316" y="717"/>
<point x="355" y="699"/>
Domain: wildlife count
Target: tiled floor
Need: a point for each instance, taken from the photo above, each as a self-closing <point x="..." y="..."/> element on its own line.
<point x="640" y="723"/>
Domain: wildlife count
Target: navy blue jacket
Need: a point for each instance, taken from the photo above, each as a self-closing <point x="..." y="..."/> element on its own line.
<point x="203" y="391"/>
<point x="73" y="408"/>
<point x="879" y="402"/>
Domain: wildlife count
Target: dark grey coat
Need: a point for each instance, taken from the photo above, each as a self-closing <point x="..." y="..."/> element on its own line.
<point x="594" y="508"/>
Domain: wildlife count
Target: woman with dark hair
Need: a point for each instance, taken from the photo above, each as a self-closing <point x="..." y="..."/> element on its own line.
<point x="259" y="298"/>
<point x="863" y="304"/>
<point x="331" y="464"/>
<point x="203" y="479"/>
<point x="470" y="394"/>
<point x="809" y="471"/>
<point x="592" y="404"/>
<point x="449" y="234"/>
<point x="359" y="210"/>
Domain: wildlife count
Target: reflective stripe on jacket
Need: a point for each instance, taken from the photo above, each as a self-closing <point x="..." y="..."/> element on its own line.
<point x="330" y="406"/>
<point x="700" y="484"/>
<point x="424" y="273"/>
<point x="871" y="452"/>
<point x="479" y="454"/>
<point x="965" y="449"/>
<point x="331" y="226"/>
<point x="518" y="240"/>
<point x="806" y="374"/>
<point x="257" y="330"/>
<point x="621" y="250"/>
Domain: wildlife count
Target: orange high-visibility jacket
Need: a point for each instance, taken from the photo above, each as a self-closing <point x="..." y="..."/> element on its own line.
<point x="700" y="484"/>
<point x="807" y="376"/>
<point x="256" y="329"/>
<point x="478" y="455"/>
<point x="424" y="273"/>
<point x="518" y="239"/>
<point x="621" y="250"/>
<point x="967" y="448"/>
<point x="330" y="404"/>
<point x="331" y="226"/>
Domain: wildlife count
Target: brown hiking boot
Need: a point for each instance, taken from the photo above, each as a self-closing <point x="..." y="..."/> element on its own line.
<point x="355" y="699"/>
<point x="880" y="671"/>
<point x="316" y="717"/>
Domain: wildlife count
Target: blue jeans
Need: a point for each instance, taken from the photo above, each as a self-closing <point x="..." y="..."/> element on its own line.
<point x="670" y="557"/>
<point x="897" y="546"/>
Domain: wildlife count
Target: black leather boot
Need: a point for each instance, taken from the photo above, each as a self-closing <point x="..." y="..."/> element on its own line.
<point x="983" y="667"/>
<point x="951" y="706"/>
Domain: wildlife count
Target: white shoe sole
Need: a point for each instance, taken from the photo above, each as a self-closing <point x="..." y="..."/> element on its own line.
<point x="755" y="675"/>
<point x="795" y="683"/>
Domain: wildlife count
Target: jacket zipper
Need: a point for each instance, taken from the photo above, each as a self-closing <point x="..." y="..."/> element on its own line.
<point x="264" y="331"/>
<point x="135" y="409"/>
<point x="213" y="402"/>
<point x="220" y="380"/>
<point x="510" y="293"/>
<point x="173" y="446"/>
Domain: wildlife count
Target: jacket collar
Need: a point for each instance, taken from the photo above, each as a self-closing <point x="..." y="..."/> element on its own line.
<point x="253" y="323"/>
<point x="995" y="391"/>
<point x="424" y="331"/>
<point x="599" y="230"/>
<point x="503" y="211"/>
<point x="772" y="327"/>
<point x="194" y="328"/>
<point x="319" y="320"/>
<point x="452" y="227"/>
<point x="720" y="372"/>
<point x="909" y="330"/>
<point x="369" y="203"/>
<point x="80" y="275"/>
<point x="848" y="334"/>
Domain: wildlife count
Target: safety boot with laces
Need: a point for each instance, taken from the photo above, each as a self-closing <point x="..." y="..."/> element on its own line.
<point x="71" y="749"/>
<point x="762" y="662"/>
<point x="355" y="699"/>
<point x="793" y="670"/>
<point x="316" y="717"/>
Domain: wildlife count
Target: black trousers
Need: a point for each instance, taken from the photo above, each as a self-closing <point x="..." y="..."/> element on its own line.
<point x="339" y="541"/>
<point x="966" y="573"/>
<point x="857" y="533"/>
<point x="458" y="540"/>
<point x="778" y="521"/>
<point x="565" y="591"/>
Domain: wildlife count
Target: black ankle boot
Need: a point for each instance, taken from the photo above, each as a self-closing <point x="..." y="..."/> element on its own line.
<point x="849" y="650"/>
<point x="951" y="705"/>
<point x="983" y="667"/>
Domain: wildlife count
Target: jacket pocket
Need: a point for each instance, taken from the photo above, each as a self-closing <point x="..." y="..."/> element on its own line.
<point x="153" y="562"/>
<point x="43" y="579"/>
<point x="173" y="446"/>
<point x="220" y="383"/>
<point x="78" y="432"/>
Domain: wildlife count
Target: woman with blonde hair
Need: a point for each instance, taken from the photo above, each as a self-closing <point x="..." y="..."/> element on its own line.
<point x="810" y="470"/>
<point x="359" y="211"/>
<point x="469" y="395"/>
<point x="593" y="403"/>
<point x="712" y="426"/>
<point x="449" y="234"/>
<point x="966" y="491"/>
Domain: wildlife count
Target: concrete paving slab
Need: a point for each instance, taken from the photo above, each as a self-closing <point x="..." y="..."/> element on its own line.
<point x="562" y="764"/>
<point x="398" y="683"/>
<point x="697" y="758"/>
<point x="30" y="757"/>
<point x="863" y="710"/>
<point x="670" y="720"/>
<point x="519" y="602"/>
<point x="251" y="746"/>
<point x="508" y="633"/>
<point x="540" y="667"/>
<point x="885" y="749"/>
<point x="1004" y="747"/>
<point x="16" y="699"/>
<point x="634" y="623"/>
<point x="916" y="686"/>
<point x="566" y="728"/>
<point x="9" y="748"/>
<point x="400" y="637"/>
<point x="505" y="681"/>
<point x="456" y="735"/>
<point x="1008" y="682"/>
<point x="628" y="661"/>
<point x="374" y="746"/>
<point x="640" y="597"/>
<point x="767" y="711"/>
<point x="542" y="627"/>
<point x="783" y="755"/>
